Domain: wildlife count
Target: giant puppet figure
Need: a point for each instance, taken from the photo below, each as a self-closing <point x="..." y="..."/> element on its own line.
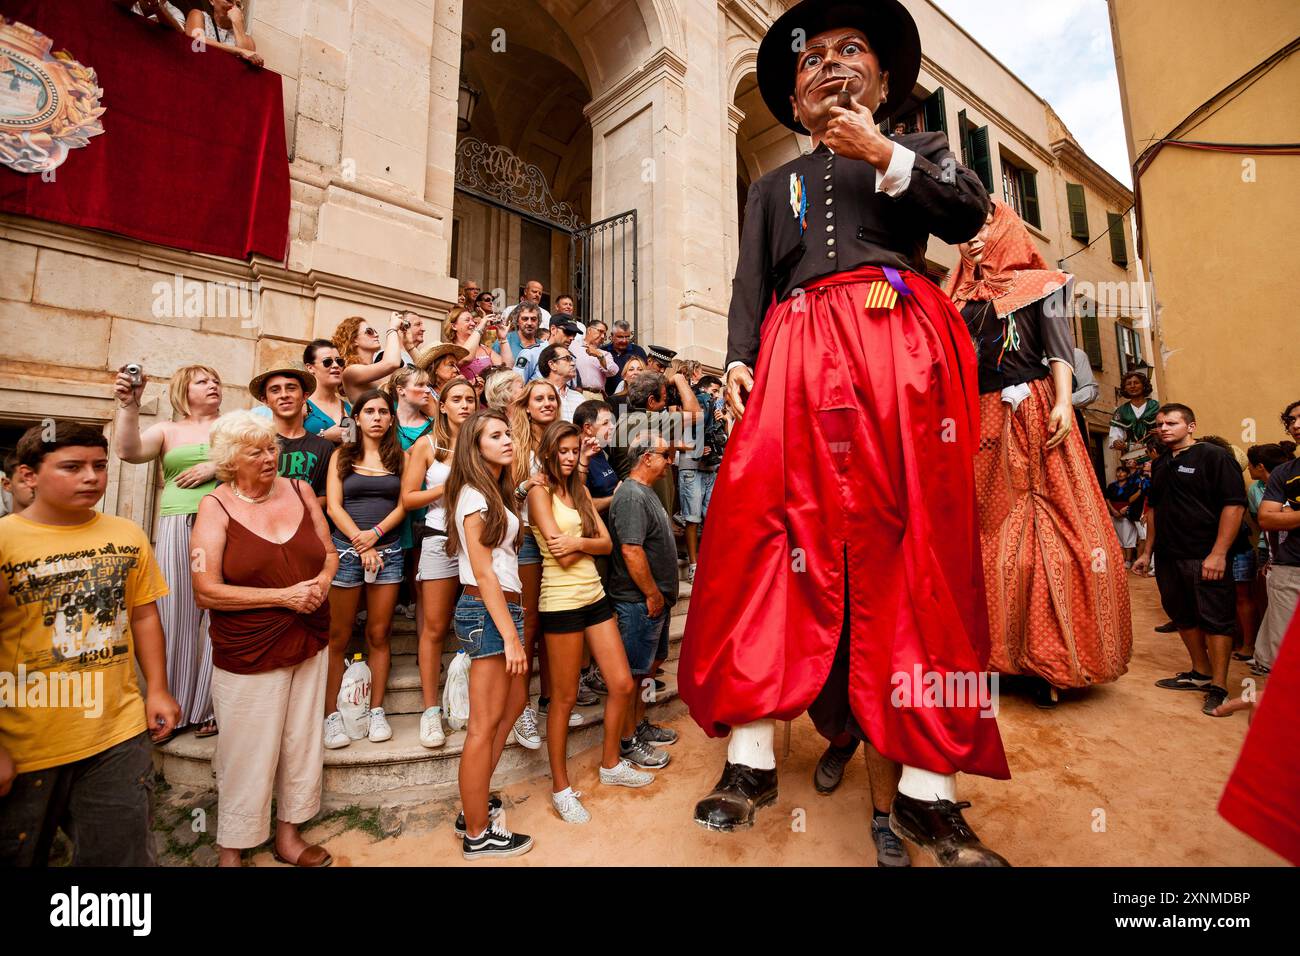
<point x="841" y="567"/>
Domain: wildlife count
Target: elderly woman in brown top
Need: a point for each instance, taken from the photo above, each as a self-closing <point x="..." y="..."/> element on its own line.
<point x="263" y="562"/>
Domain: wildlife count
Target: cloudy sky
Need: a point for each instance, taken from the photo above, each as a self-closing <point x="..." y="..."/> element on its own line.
<point x="1062" y="50"/>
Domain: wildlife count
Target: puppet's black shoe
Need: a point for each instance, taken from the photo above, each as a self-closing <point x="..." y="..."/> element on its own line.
<point x="938" y="826"/>
<point x="740" y="792"/>
<point x="830" y="768"/>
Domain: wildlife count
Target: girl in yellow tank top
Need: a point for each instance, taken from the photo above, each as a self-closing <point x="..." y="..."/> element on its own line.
<point x="573" y="608"/>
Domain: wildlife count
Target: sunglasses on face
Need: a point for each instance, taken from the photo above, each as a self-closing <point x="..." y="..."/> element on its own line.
<point x="330" y="362"/>
<point x="369" y="331"/>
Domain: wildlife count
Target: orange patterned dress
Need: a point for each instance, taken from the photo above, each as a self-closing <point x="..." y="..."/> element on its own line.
<point x="1053" y="568"/>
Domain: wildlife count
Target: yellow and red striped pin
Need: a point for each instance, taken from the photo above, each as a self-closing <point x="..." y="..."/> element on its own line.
<point x="881" y="295"/>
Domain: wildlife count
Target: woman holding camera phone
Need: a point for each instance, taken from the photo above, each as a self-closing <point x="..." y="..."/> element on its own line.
<point x="188" y="475"/>
<point x="358" y="342"/>
<point x="468" y="330"/>
<point x="364" y="501"/>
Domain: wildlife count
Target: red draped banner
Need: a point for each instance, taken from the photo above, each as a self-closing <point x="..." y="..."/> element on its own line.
<point x="192" y="152"/>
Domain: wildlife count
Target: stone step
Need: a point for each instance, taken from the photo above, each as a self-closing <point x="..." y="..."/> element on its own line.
<point x="405" y="696"/>
<point x="400" y="770"/>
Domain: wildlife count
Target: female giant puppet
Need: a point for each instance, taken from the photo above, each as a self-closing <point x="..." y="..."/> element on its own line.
<point x="1053" y="568"/>
<point x="841" y="569"/>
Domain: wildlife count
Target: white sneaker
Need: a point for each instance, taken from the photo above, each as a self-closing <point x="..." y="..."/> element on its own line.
<point x="334" y="734"/>
<point x="361" y="616"/>
<point x="575" y="719"/>
<point x="625" y="775"/>
<point x="431" y="734"/>
<point x="408" y="610"/>
<point x="567" y="806"/>
<point x="379" y="729"/>
<point x="690" y="574"/>
<point x="526" y="730"/>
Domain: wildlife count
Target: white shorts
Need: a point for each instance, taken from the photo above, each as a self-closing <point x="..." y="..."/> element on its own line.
<point x="1124" y="530"/>
<point x="434" y="563"/>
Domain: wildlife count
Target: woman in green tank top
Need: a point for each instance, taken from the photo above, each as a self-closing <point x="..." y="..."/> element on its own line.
<point x="182" y="446"/>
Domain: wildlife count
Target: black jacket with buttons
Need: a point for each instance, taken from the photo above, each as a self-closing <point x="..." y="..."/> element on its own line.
<point x="849" y="224"/>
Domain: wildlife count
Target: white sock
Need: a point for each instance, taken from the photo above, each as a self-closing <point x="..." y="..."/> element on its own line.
<point x="751" y="745"/>
<point x="927" y="785"/>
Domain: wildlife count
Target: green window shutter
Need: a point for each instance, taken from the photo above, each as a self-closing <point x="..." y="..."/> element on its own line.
<point x="1078" y="212"/>
<point x="980" y="163"/>
<point x="936" y="117"/>
<point x="1118" y="251"/>
<point x="963" y="133"/>
<point x="1091" y="335"/>
<point x="1029" y="197"/>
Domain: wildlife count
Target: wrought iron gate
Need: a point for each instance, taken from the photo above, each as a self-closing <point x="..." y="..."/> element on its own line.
<point x="603" y="269"/>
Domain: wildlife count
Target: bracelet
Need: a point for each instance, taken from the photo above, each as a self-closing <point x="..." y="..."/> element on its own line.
<point x="378" y="531"/>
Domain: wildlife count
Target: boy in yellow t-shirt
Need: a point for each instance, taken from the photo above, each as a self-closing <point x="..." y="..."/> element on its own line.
<point x="77" y="593"/>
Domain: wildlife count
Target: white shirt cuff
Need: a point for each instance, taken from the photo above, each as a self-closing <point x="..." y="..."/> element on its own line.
<point x="894" y="180"/>
<point x="731" y="365"/>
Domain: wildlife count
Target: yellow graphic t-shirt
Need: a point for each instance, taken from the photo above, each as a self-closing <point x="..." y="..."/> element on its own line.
<point x="67" y="673"/>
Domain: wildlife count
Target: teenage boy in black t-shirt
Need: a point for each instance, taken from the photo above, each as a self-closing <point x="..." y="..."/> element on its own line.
<point x="302" y="455"/>
<point x="1197" y="500"/>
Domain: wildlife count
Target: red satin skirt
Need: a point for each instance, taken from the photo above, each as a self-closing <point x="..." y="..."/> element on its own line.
<point x="1053" y="568"/>
<point x="850" y="479"/>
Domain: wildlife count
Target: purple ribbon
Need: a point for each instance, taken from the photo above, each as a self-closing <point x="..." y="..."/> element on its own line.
<point x="897" y="282"/>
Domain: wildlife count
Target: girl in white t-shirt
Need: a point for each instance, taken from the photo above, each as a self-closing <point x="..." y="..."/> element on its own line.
<point x="424" y="482"/>
<point x="483" y="535"/>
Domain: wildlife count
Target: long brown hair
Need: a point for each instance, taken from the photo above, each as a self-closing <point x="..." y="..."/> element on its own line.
<point x="443" y="439"/>
<point x="548" y="461"/>
<point x="390" y="450"/>
<point x="469" y="470"/>
<point x="521" y="426"/>
<point x="345" y="339"/>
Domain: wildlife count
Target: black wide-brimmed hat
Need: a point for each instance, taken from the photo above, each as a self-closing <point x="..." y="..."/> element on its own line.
<point x="889" y="28"/>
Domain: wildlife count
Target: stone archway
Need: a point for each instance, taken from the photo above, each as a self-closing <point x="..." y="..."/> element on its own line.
<point x="539" y="66"/>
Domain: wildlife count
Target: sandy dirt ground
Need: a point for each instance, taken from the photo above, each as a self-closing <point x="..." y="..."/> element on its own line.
<point x="1124" y="775"/>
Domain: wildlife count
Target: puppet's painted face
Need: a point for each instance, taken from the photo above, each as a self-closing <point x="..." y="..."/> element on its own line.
<point x="826" y="62"/>
<point x="974" y="250"/>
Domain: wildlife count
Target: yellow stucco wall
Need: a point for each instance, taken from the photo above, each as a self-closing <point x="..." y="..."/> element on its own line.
<point x="1218" y="228"/>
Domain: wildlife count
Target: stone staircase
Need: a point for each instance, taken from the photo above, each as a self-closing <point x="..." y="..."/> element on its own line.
<point x="400" y="770"/>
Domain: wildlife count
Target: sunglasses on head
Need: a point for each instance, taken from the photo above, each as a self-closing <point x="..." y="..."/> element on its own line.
<point x="330" y="361"/>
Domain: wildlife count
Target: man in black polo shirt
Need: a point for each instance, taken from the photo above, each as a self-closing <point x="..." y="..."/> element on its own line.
<point x="1197" y="500"/>
<point x="1279" y="518"/>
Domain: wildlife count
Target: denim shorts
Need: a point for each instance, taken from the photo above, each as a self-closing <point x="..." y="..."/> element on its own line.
<point x="529" y="552"/>
<point x="478" y="633"/>
<point x="106" y="799"/>
<point x="695" y="489"/>
<point x="351" y="574"/>
<point x="1243" y="566"/>
<point x="645" y="638"/>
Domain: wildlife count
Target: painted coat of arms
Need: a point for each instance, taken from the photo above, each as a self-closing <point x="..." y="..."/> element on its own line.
<point x="49" y="103"/>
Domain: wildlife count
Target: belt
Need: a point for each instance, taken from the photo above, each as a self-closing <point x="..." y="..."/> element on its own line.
<point x="511" y="596"/>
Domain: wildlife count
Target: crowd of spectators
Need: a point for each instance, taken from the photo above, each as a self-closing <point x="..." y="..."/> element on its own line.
<point x="551" y="536"/>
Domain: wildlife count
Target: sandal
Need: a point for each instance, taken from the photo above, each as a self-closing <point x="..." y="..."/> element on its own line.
<point x="1247" y="658"/>
<point x="313" y="856"/>
<point x="207" y="730"/>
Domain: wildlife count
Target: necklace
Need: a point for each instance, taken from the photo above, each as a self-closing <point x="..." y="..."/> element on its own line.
<point x="234" y="489"/>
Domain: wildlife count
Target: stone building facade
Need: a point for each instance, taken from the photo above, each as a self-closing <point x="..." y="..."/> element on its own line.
<point x="582" y="111"/>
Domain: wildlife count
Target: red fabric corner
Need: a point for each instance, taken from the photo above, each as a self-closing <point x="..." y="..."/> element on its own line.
<point x="1262" y="798"/>
<point x="193" y="150"/>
